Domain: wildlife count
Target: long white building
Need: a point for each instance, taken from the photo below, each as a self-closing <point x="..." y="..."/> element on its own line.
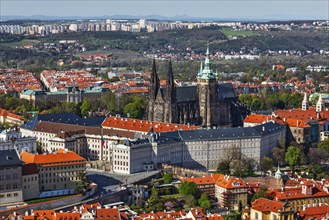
<point x="131" y="152"/>
<point x="11" y="139"/>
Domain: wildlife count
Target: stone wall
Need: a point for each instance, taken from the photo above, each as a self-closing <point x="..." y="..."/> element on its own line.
<point x="44" y="205"/>
<point x="182" y="172"/>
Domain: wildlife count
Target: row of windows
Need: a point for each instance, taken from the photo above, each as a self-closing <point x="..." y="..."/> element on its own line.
<point x="61" y="168"/>
<point x="8" y="186"/>
<point x="122" y="163"/>
<point x="58" y="174"/>
<point x="120" y="157"/>
<point x="8" y="168"/>
<point x="64" y="179"/>
<point x="32" y="178"/>
<point x="120" y="168"/>
<point x="8" y="195"/>
<point x="8" y="177"/>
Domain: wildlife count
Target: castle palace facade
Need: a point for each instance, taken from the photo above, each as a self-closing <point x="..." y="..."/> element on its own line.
<point x="209" y="103"/>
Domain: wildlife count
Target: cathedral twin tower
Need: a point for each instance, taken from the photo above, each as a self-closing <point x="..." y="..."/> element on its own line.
<point x="208" y="104"/>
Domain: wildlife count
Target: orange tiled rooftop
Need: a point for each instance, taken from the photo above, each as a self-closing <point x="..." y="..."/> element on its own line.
<point x="143" y="125"/>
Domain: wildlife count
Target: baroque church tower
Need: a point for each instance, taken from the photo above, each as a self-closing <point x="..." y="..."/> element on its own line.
<point x="305" y="102"/>
<point x="208" y="94"/>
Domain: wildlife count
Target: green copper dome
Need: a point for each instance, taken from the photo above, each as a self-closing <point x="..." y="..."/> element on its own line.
<point x="206" y="72"/>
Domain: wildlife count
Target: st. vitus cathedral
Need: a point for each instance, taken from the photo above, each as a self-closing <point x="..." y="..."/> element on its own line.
<point x="208" y="104"/>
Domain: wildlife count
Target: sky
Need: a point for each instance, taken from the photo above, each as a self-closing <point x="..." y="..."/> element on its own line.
<point x="283" y="9"/>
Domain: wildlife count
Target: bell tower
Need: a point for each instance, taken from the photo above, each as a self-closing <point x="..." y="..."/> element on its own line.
<point x="305" y="103"/>
<point x="208" y="94"/>
<point x="320" y="104"/>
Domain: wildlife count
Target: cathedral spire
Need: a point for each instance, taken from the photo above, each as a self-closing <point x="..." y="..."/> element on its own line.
<point x="170" y="83"/>
<point x="207" y="53"/>
<point x="206" y="72"/>
<point x="155" y="82"/>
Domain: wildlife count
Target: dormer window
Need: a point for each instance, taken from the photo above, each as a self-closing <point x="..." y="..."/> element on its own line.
<point x="236" y="184"/>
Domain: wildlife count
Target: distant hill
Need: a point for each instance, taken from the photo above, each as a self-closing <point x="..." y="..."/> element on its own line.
<point x="275" y="17"/>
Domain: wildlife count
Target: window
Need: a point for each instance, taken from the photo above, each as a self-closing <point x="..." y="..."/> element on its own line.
<point x="256" y="215"/>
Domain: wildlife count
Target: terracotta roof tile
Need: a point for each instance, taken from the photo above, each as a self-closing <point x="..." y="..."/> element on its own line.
<point x="266" y="205"/>
<point x="107" y="213"/>
<point x="59" y="157"/>
<point x="130" y="124"/>
<point x="228" y="182"/>
<point x="60" y="128"/>
<point x="317" y="212"/>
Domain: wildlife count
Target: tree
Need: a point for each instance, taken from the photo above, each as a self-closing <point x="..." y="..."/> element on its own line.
<point x="228" y="157"/>
<point x="136" y="109"/>
<point x="167" y="178"/>
<point x="154" y="196"/>
<point x="324" y="148"/>
<point x="83" y="184"/>
<point x="108" y="101"/>
<point x="246" y="99"/>
<point x="233" y="161"/>
<point x="278" y="155"/>
<point x="261" y="193"/>
<point x="204" y="201"/>
<point x="159" y="206"/>
<point x="266" y="164"/>
<point x="188" y="188"/>
<point x="39" y="147"/>
<point x="314" y="156"/>
<point x="86" y="107"/>
<point x="190" y="201"/>
<point x="224" y="168"/>
<point x="292" y="157"/>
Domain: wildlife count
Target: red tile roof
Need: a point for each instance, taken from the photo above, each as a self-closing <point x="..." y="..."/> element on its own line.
<point x="228" y="182"/>
<point x="204" y="180"/>
<point x="107" y="213"/>
<point x="292" y="117"/>
<point x="130" y="124"/>
<point x="6" y="113"/>
<point x="266" y="205"/>
<point x="296" y="193"/>
<point x="256" y="118"/>
<point x="67" y="216"/>
<point x="316" y="212"/>
<point x="59" y="157"/>
<point x="305" y="115"/>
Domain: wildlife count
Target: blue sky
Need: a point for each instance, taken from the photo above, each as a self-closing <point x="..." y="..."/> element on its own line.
<point x="284" y="9"/>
